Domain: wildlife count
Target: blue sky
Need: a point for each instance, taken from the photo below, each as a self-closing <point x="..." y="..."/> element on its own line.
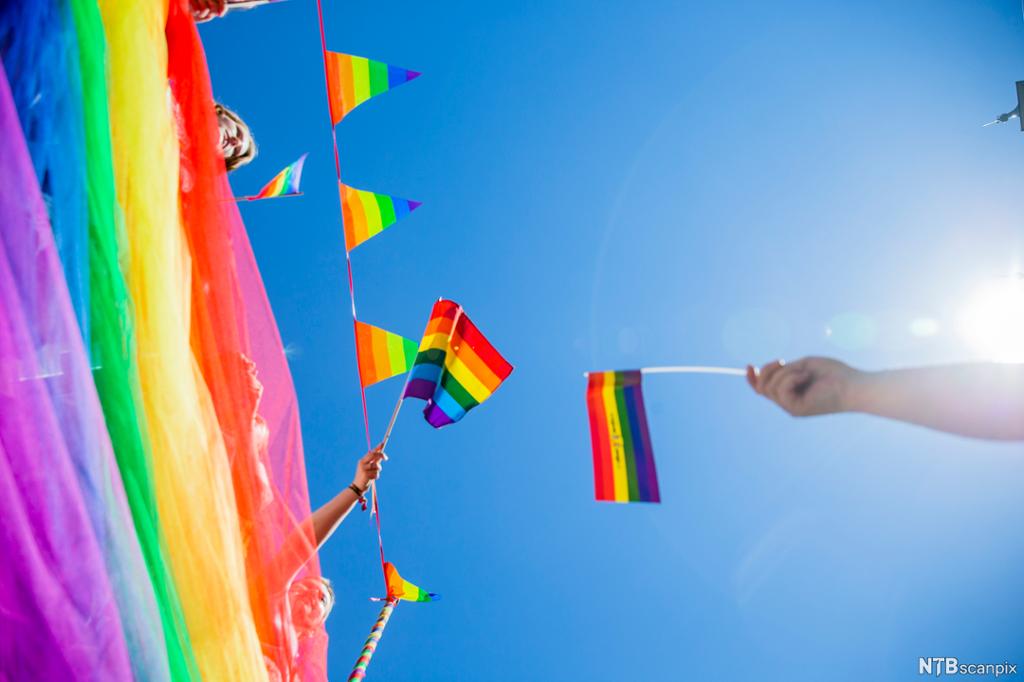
<point x="614" y="185"/>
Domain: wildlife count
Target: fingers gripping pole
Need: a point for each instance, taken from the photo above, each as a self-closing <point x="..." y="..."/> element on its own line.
<point x="359" y="672"/>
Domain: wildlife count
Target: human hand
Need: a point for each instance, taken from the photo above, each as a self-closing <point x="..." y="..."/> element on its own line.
<point x="807" y="387"/>
<point x="204" y="10"/>
<point x="368" y="468"/>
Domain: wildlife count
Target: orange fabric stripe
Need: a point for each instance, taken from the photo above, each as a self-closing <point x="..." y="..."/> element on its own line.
<point x="348" y="97"/>
<point x="381" y="360"/>
<point x="484" y="374"/>
<point x="364" y="353"/>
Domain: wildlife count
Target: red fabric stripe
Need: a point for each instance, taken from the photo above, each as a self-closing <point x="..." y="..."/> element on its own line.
<point x="604" y="484"/>
<point x="466" y="331"/>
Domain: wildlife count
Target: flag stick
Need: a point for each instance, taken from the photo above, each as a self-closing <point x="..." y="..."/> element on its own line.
<point x="691" y="369"/>
<point x="253" y="197"/>
<point x="249" y="4"/>
<point x="394" y="417"/>
<point x="359" y="671"/>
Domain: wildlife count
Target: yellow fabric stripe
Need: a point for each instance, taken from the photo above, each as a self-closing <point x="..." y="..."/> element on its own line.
<point x="372" y="212"/>
<point x="437" y="340"/>
<point x="615" y="442"/>
<point x="361" y="79"/>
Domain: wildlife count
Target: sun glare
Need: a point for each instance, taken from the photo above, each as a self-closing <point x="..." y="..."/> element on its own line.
<point x="993" y="321"/>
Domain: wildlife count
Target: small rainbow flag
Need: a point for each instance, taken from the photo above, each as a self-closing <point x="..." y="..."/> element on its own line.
<point x="352" y="80"/>
<point x="623" y="459"/>
<point x="456" y="368"/>
<point x="284" y="184"/>
<point x="400" y="588"/>
<point x="382" y="354"/>
<point x="367" y="214"/>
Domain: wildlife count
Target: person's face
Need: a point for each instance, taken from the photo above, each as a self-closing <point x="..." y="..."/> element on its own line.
<point x="234" y="140"/>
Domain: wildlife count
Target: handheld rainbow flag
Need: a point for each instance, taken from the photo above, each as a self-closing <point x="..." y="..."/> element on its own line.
<point x="400" y="588"/>
<point x="456" y="368"/>
<point x="352" y="80"/>
<point x="623" y="459"/>
<point x="367" y="214"/>
<point x="382" y="354"/>
<point x="284" y="184"/>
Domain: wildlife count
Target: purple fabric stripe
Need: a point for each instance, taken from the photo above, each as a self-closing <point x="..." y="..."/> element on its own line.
<point x="420" y="388"/>
<point x="646" y="472"/>
<point x="60" y="492"/>
<point x="436" y="416"/>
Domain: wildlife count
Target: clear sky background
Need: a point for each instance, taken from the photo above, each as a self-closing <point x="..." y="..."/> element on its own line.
<point x="620" y="184"/>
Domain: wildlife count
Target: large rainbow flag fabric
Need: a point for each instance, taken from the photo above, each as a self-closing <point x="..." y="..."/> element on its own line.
<point x="285" y="183"/>
<point x="367" y="214"/>
<point x="400" y="588"/>
<point x="623" y="459"/>
<point x="352" y="80"/>
<point x="456" y="367"/>
<point x="381" y="354"/>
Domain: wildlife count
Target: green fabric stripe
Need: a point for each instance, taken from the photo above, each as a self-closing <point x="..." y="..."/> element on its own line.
<point x="409" y="348"/>
<point x="455" y="390"/>
<point x="378" y="77"/>
<point x="627" y="443"/>
<point x="112" y="338"/>
<point x="387" y="210"/>
<point x="396" y="354"/>
<point x="431" y="356"/>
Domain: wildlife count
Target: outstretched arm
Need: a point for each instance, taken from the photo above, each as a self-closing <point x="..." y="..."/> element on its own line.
<point x="328" y="517"/>
<point x="981" y="400"/>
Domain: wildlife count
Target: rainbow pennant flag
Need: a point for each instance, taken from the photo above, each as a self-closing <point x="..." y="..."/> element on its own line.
<point x="367" y="214"/>
<point x="284" y="184"/>
<point x="352" y="80"/>
<point x="400" y="588"/>
<point x="456" y="368"/>
<point x="382" y="354"/>
<point x="623" y="459"/>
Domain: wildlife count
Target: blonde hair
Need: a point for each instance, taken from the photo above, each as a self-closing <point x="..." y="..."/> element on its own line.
<point x="249" y="152"/>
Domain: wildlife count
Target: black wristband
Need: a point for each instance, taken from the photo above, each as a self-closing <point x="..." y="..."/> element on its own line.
<point x="354" y="488"/>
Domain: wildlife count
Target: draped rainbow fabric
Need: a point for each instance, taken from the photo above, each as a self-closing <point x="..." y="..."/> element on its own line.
<point x="74" y="593"/>
<point x="195" y="496"/>
<point x="153" y="497"/>
<point x="239" y="353"/>
<point x="112" y="336"/>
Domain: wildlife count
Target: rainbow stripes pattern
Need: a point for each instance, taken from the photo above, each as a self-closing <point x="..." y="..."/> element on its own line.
<point x="456" y="368"/>
<point x="400" y="588"/>
<point x="367" y="214"/>
<point x="370" y="646"/>
<point x="284" y="184"/>
<point x="382" y="354"/>
<point x="352" y="80"/>
<point x="623" y="459"/>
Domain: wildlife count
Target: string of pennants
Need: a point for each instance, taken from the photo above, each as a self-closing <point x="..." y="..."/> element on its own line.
<point x="454" y="367"/>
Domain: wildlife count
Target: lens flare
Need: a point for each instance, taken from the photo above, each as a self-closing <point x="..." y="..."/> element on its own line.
<point x="993" y="321"/>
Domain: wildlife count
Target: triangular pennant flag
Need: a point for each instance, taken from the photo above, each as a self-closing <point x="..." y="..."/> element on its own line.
<point x="285" y="183"/>
<point x="352" y="80"/>
<point x="400" y="588"/>
<point x="382" y="354"/>
<point x="366" y="214"/>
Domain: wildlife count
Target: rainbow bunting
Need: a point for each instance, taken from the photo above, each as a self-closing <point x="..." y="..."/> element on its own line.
<point x="400" y="588"/>
<point x="284" y="184"/>
<point x="623" y="459"/>
<point x="456" y="368"/>
<point x="352" y="80"/>
<point x="367" y="214"/>
<point x="382" y="354"/>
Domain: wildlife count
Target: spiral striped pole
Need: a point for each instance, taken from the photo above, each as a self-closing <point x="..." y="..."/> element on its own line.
<point x="359" y="672"/>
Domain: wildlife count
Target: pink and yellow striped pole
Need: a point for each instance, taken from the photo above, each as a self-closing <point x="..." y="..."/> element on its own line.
<point x="359" y="672"/>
